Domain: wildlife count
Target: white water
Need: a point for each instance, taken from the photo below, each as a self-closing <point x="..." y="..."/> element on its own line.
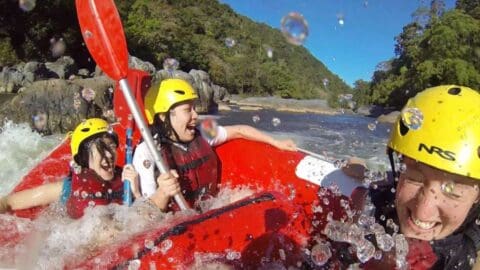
<point x="20" y="150"/>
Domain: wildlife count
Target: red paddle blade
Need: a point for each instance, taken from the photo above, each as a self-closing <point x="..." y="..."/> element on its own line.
<point x="103" y="33"/>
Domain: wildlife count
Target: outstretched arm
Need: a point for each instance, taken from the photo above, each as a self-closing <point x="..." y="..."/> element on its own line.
<point x="37" y="196"/>
<point x="251" y="133"/>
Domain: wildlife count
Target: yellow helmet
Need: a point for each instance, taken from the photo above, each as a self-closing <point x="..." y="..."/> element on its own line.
<point x="85" y="130"/>
<point x="440" y="127"/>
<point x="160" y="98"/>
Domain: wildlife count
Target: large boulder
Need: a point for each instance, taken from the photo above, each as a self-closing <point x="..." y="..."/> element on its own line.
<point x="11" y="79"/>
<point x="389" y="118"/>
<point x="64" y="67"/>
<point x="209" y="94"/>
<point x="58" y="106"/>
<point x="133" y="63"/>
<point x="137" y="63"/>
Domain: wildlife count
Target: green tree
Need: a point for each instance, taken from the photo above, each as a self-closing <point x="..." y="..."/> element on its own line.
<point x="444" y="52"/>
<point x="361" y="92"/>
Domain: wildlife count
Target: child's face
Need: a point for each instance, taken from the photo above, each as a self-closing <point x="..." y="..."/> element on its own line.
<point x="103" y="166"/>
<point x="184" y="119"/>
<point x="431" y="204"/>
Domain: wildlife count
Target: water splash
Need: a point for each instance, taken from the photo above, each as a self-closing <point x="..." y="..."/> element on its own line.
<point x="21" y="150"/>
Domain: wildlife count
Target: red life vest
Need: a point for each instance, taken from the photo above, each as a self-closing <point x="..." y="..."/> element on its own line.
<point x="197" y="166"/>
<point x="89" y="190"/>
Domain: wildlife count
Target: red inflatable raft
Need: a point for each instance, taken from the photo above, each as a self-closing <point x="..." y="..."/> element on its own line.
<point x="274" y="225"/>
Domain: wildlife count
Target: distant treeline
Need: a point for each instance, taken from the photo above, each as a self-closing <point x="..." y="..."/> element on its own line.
<point x="191" y="31"/>
<point x="438" y="47"/>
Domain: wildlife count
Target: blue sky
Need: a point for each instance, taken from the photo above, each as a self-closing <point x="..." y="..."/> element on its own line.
<point x="351" y="51"/>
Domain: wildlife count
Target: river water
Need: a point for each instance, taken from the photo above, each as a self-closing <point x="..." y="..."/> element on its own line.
<point x="334" y="136"/>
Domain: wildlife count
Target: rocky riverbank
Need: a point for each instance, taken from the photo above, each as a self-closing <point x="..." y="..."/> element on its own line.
<point x="56" y="96"/>
<point x="317" y="106"/>
<point x="290" y="105"/>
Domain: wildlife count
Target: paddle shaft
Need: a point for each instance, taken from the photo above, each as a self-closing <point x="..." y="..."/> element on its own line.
<point x="312" y="154"/>
<point x="147" y="136"/>
<point x="127" y="190"/>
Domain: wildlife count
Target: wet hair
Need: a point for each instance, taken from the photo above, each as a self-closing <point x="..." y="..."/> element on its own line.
<point x="84" y="150"/>
<point x="164" y="129"/>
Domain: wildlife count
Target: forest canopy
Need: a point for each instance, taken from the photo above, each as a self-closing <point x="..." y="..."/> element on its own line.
<point x="193" y="32"/>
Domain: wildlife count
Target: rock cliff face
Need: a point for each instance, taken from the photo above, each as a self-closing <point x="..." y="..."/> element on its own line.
<point x="55" y="97"/>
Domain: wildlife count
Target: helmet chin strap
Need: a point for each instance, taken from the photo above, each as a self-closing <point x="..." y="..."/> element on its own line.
<point x="392" y="162"/>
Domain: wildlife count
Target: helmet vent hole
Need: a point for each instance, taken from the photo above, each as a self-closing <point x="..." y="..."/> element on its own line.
<point x="180" y="92"/>
<point x="454" y="91"/>
<point x="403" y="129"/>
<point x="85" y="129"/>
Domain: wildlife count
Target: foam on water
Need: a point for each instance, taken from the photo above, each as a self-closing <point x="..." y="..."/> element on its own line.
<point x="57" y="239"/>
<point x="21" y="150"/>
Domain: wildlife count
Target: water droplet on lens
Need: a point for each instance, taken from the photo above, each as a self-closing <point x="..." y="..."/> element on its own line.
<point x="403" y="167"/>
<point x="378" y="255"/>
<point x="256" y="119"/>
<point x="341" y="19"/>
<point x="372" y="126"/>
<point x="170" y="65"/>
<point x="412" y="118"/>
<point x="84" y="194"/>
<point x="209" y="128"/>
<point x="88" y="94"/>
<point x="91" y="203"/>
<point x="295" y="28"/>
<point x="233" y="255"/>
<point x="27" y="5"/>
<point x="149" y="244"/>
<point x="166" y="245"/>
<point x="276" y="121"/>
<point x="340" y="163"/>
<point x="57" y="47"/>
<point x="321" y="253"/>
<point x="88" y="34"/>
<point x="269" y="52"/>
<point x="134" y="264"/>
<point x="230" y="42"/>
<point x="365" y="251"/>
<point x="448" y="187"/>
<point x="325" y="82"/>
<point x="98" y="194"/>
<point x="326" y="201"/>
